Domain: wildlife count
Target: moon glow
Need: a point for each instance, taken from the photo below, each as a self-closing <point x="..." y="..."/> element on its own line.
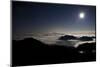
<point x="81" y="15"/>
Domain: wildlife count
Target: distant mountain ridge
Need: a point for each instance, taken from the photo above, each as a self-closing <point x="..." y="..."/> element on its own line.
<point x="71" y="37"/>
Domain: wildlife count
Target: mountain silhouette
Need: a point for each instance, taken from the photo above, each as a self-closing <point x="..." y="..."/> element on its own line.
<point x="67" y="37"/>
<point x="30" y="51"/>
<point x="71" y="37"/>
<point x="87" y="51"/>
<point x="86" y="38"/>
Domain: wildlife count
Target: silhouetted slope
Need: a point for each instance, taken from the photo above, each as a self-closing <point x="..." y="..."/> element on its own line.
<point x="87" y="51"/>
<point x="26" y="50"/>
<point x="88" y="47"/>
<point x="33" y="52"/>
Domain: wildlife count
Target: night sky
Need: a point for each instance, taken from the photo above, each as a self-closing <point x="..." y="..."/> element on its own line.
<point x="34" y="18"/>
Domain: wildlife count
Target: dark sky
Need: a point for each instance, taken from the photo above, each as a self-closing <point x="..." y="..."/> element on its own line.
<point x="30" y="17"/>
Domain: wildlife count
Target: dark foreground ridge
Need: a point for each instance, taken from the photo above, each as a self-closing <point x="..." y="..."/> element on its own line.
<point x="33" y="52"/>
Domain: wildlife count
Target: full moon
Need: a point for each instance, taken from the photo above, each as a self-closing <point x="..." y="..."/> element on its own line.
<point x="81" y="15"/>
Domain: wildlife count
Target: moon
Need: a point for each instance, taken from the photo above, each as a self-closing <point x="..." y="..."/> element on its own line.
<point x="82" y="15"/>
